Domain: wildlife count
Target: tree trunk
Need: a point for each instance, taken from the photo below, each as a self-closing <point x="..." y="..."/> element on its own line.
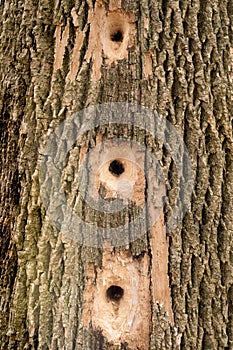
<point x="116" y="219"/>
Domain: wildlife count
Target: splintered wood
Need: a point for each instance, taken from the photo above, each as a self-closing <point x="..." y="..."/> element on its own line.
<point x="61" y="42"/>
<point x="125" y="320"/>
<point x="138" y="283"/>
<point x="111" y="33"/>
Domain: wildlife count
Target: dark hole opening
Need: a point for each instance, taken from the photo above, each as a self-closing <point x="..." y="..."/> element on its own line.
<point x="117" y="36"/>
<point x="116" y="168"/>
<point x="114" y="293"/>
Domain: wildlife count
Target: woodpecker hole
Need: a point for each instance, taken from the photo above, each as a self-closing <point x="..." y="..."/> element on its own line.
<point x="116" y="168"/>
<point x="114" y="293"/>
<point x="117" y="36"/>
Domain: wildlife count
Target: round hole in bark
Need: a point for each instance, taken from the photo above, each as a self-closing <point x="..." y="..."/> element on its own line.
<point x="117" y="36"/>
<point x="116" y="168"/>
<point x="114" y="293"/>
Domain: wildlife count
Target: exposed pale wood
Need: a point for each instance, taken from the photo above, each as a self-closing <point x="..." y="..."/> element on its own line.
<point x="61" y="43"/>
<point x="126" y="321"/>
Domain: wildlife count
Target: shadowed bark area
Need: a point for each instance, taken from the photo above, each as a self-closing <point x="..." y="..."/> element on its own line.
<point x="57" y="58"/>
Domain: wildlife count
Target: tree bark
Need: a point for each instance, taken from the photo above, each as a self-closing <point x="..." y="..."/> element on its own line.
<point x="172" y="57"/>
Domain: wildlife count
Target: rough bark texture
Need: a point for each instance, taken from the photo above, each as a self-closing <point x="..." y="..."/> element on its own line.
<point x="57" y="59"/>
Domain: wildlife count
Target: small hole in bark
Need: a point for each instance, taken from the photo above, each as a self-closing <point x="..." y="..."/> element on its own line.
<point x="116" y="168"/>
<point x="117" y="36"/>
<point x="114" y="293"/>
